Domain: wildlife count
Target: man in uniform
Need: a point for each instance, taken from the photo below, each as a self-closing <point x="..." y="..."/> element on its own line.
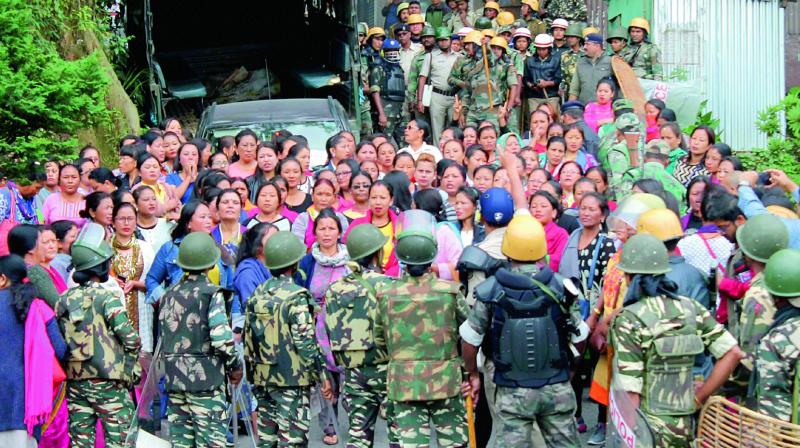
<point x="643" y="56"/>
<point x="655" y="338"/>
<point x="519" y="54"/>
<point x="529" y="10"/>
<point x="280" y="347"/>
<point x="509" y="120"/>
<point x="458" y="74"/>
<point x="351" y="309"/>
<point x="560" y="45"/>
<point x="776" y="376"/>
<point x="542" y="75"/>
<point x="461" y="17"/>
<point x="416" y="23"/>
<point x="373" y="46"/>
<point x="479" y="90"/>
<point x="103" y="347"/>
<point x="569" y="56"/>
<point x="402" y="19"/>
<point x="618" y="41"/>
<point x="656" y="159"/>
<point x="387" y="89"/>
<point x="370" y="56"/>
<point x="759" y="238"/>
<point x="197" y="347"/>
<point x="435" y="13"/>
<point x="490" y="11"/>
<point x="572" y="10"/>
<point x="408" y="50"/>
<point x="435" y="70"/>
<point x="418" y="320"/>
<point x="412" y="76"/>
<point x="622" y="155"/>
<point x="591" y="67"/>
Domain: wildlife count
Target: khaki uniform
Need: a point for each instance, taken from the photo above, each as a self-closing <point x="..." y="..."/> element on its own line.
<point x="436" y="68"/>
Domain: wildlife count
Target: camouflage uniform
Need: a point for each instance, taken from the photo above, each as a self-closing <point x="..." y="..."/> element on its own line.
<point x="616" y="161"/>
<point x="645" y="60"/>
<point x="476" y="95"/>
<point x="283" y="359"/>
<point x="101" y="363"/>
<point x="411" y="87"/>
<point x="777" y="364"/>
<point x="458" y="75"/>
<point x="645" y="331"/>
<point x="758" y="313"/>
<point x="655" y="170"/>
<point x="418" y="321"/>
<point x="536" y="25"/>
<point x="572" y="10"/>
<point x="351" y="308"/>
<point x="197" y="347"/>
<point x="569" y="60"/>
<point x="368" y="58"/>
<point x="518" y="61"/>
<point x="550" y="405"/>
<point x="392" y="101"/>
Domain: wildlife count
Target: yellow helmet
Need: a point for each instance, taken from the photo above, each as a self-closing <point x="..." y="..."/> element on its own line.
<point x="375" y="31"/>
<point x="413" y="19"/>
<point x="474" y="37"/>
<point x="589" y="30"/>
<point x="490" y="33"/>
<point x="492" y="5"/>
<point x="524" y="239"/>
<point x="499" y="42"/>
<point x="505" y="18"/>
<point x="662" y="223"/>
<point x="640" y="22"/>
<point x="534" y="4"/>
<point x="782" y="212"/>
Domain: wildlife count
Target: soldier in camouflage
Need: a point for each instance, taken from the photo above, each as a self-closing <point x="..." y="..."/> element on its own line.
<point x="533" y="389"/>
<point x="622" y="155"/>
<point x="428" y="44"/>
<point x="569" y="57"/>
<point x="458" y="74"/>
<point x="572" y="10"/>
<point x="352" y="306"/>
<point x="370" y="55"/>
<point x="387" y="90"/>
<point x="103" y="347"/>
<point x="656" y="159"/>
<point x="282" y="356"/>
<point x="655" y="338"/>
<point x="776" y="376"/>
<point x="476" y="97"/>
<point x="418" y="320"/>
<point x="643" y="56"/>
<point x="759" y="238"/>
<point x="197" y="348"/>
<point x="529" y="11"/>
<point x="617" y="42"/>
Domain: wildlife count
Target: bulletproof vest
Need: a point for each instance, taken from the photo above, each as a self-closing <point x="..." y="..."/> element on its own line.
<point x="668" y="379"/>
<point x="351" y="308"/>
<point x="190" y="364"/>
<point x="530" y="333"/>
<point x="93" y="349"/>
<point x="422" y="330"/>
<point x="394" y="83"/>
<point x="271" y="356"/>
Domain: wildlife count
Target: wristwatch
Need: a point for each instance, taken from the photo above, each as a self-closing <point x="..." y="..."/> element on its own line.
<point x="744" y="183"/>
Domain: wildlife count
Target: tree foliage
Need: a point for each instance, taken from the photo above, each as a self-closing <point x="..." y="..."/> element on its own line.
<point x="44" y="99"/>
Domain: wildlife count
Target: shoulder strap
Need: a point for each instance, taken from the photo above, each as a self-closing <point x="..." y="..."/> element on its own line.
<point x="711" y="252"/>
<point x="360" y="279"/>
<point x="549" y="293"/>
<point x="595" y="255"/>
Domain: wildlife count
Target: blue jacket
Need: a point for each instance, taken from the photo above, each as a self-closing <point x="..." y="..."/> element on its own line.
<point x="249" y="275"/>
<point x="691" y="282"/>
<point x="751" y="206"/>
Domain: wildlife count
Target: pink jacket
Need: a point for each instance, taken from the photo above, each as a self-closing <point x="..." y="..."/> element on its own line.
<point x="595" y="112"/>
<point x="556" y="238"/>
<point x="392" y="268"/>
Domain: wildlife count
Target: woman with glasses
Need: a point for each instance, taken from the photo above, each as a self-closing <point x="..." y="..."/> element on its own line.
<point x="360" y="183"/>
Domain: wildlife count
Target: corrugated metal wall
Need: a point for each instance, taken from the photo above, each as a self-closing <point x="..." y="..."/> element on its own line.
<point x="792" y="45"/>
<point x="597" y="11"/>
<point x="735" y="48"/>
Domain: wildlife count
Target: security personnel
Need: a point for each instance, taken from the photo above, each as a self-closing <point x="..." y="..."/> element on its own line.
<point x="656" y="159"/>
<point x="569" y="57"/>
<point x="387" y="89"/>
<point x="416" y="23"/>
<point x="418" y="320"/>
<point x="507" y="118"/>
<point x="775" y="382"/>
<point x="463" y="65"/>
<point x="655" y="338"/>
<point x="504" y="19"/>
<point x="197" y="347"/>
<point x="623" y="154"/>
<point x="519" y="54"/>
<point x="529" y="10"/>
<point x="476" y="98"/>
<point x="373" y="45"/>
<point x="461" y="17"/>
<point x="572" y="10"/>
<point x="590" y="68"/>
<point x="557" y="30"/>
<point x="618" y="42"/>
<point x="412" y="77"/>
<point x="103" y="346"/>
<point x="759" y="238"/>
<point x="643" y="56"/>
<point x="282" y="356"/>
<point x="435" y="70"/>
<point x="402" y="19"/>
<point x="351" y="309"/>
<point x="490" y="11"/>
<point x="542" y="75"/>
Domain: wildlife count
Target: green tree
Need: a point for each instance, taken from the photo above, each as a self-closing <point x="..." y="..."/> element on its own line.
<point x="44" y="99"/>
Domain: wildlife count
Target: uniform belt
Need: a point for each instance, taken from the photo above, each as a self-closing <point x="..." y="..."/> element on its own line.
<point x="443" y="92"/>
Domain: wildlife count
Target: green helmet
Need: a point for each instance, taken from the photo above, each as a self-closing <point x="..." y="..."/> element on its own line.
<point x="627" y="121"/>
<point x="442" y="33"/>
<point x="505" y="29"/>
<point x="761" y="236"/>
<point x="416" y="242"/>
<point x="483" y="23"/>
<point x="90" y="248"/>
<point x="283" y="250"/>
<point x="622" y="103"/>
<point x="364" y="240"/>
<point x="428" y="31"/>
<point x="782" y="274"/>
<point x="197" y="252"/>
<point x="644" y="254"/>
<point x="617" y="33"/>
<point x="574" y="30"/>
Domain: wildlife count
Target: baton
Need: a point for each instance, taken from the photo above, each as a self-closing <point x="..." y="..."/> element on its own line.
<point x="471" y="423"/>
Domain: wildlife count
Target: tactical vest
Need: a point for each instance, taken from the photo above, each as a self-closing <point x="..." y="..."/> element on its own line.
<point x="394" y="83"/>
<point x="530" y="333"/>
<point x="351" y="309"/>
<point x="272" y="358"/>
<point x="668" y="379"/>
<point x="422" y="331"/>
<point x="94" y="350"/>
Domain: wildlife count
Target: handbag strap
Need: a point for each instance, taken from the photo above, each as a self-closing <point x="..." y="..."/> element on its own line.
<point x="595" y="255"/>
<point x="711" y="252"/>
<point x="12" y="212"/>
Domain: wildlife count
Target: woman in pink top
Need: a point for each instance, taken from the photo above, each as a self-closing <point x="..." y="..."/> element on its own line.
<point x="246" y="143"/>
<point x="66" y="203"/>
<point x="599" y="112"/>
<point x="544" y="207"/>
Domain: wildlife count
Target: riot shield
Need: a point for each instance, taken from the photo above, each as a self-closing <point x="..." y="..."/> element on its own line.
<point x="627" y="426"/>
<point x="146" y="429"/>
<point x="412" y="221"/>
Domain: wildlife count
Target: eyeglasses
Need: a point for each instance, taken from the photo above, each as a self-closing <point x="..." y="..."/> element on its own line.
<point x="343" y="173"/>
<point x="412" y="128"/>
<point x="126" y="219"/>
<point x="360" y="186"/>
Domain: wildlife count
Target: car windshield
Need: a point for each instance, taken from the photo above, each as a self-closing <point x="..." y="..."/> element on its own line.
<point x="316" y="132"/>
